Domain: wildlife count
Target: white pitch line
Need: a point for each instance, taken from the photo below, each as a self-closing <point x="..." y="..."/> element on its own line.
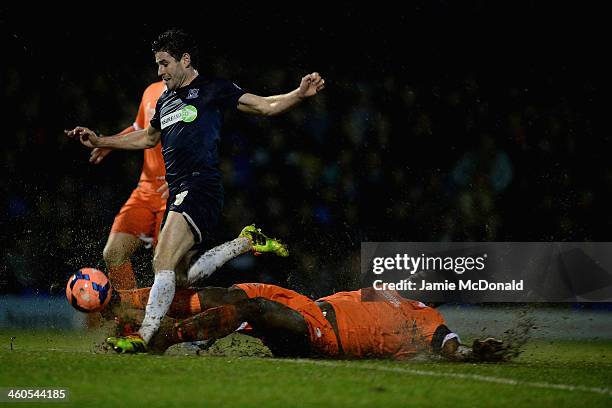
<point x="477" y="377"/>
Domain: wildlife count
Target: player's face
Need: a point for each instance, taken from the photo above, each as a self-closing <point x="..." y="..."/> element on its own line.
<point x="170" y="70"/>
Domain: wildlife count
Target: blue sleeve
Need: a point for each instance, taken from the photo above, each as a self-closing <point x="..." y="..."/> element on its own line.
<point x="228" y="93"/>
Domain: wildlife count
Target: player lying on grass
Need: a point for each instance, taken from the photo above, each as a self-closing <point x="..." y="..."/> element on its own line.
<point x="359" y="324"/>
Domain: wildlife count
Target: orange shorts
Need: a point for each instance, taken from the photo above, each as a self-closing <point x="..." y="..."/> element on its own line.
<point x="141" y="215"/>
<point x="384" y="328"/>
<point x="322" y="336"/>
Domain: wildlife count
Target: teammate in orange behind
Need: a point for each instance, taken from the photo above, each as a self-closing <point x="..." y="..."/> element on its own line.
<point x="358" y="324"/>
<point x="140" y="218"/>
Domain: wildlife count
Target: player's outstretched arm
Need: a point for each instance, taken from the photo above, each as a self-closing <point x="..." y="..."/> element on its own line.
<point x="310" y="85"/>
<point x="99" y="153"/>
<point x="137" y="140"/>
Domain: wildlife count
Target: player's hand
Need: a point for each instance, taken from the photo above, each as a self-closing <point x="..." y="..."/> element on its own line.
<point x="86" y="136"/>
<point x="311" y="85"/>
<point x="490" y="349"/>
<point x="98" y="154"/>
<point x="164" y="190"/>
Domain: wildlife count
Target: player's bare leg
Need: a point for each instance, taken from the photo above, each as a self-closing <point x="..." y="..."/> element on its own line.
<point x="187" y="302"/>
<point x="119" y="247"/>
<point x="284" y="329"/>
<point x="212" y="296"/>
<point x="128" y="305"/>
<point x="175" y="240"/>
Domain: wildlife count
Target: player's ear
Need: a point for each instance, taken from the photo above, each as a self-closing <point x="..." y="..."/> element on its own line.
<point x="186" y="60"/>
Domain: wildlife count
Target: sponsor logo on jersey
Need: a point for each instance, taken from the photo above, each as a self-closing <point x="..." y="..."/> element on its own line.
<point x="171" y="119"/>
<point x="186" y="114"/>
<point x="189" y="113"/>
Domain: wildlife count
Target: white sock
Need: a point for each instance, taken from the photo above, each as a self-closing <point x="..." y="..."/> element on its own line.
<point x="214" y="258"/>
<point x="160" y="298"/>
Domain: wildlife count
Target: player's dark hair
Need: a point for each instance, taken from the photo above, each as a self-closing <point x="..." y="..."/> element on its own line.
<point x="177" y="42"/>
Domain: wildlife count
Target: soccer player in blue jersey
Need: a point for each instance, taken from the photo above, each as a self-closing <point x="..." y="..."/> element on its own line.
<point x="188" y="122"/>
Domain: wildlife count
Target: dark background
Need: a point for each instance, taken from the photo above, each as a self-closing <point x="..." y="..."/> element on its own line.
<point x="439" y="122"/>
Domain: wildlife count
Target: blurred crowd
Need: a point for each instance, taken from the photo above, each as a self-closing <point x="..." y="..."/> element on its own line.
<point x="457" y="157"/>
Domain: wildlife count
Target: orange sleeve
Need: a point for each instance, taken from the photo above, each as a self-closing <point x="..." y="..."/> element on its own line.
<point x="127" y="130"/>
<point x="139" y="123"/>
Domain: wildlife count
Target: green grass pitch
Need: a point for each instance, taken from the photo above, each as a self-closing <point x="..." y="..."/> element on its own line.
<point x="548" y="374"/>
